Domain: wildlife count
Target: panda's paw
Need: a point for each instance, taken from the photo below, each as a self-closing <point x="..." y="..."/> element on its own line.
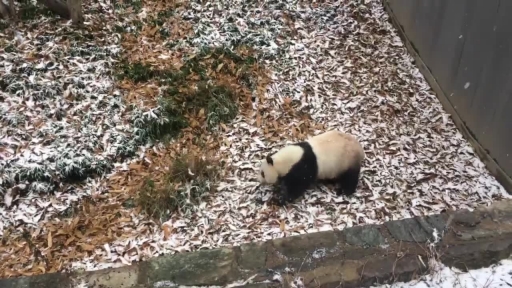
<point x="282" y="201"/>
<point x="278" y="200"/>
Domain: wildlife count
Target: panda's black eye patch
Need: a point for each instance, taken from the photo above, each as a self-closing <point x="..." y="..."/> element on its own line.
<point x="269" y="160"/>
<point x="262" y="174"/>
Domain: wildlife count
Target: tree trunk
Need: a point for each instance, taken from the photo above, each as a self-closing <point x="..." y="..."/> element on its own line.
<point x="75" y="8"/>
<point x="4" y="11"/>
<point x="7" y="11"/>
<point x="56" y="6"/>
<point x="13" y="9"/>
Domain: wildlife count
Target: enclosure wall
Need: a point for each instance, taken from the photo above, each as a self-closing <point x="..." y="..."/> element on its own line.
<point x="466" y="46"/>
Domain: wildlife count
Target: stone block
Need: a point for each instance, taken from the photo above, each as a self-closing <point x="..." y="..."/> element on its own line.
<point x="253" y="256"/>
<point x="407" y="230"/>
<point x="364" y="236"/>
<point x="123" y="277"/>
<point x="385" y="268"/>
<point x="466" y="219"/>
<point x="418" y="229"/>
<point x="206" y="267"/>
<point x="43" y="281"/>
<point x="475" y="254"/>
<point x="437" y="221"/>
<point x="329" y="275"/>
<point x="257" y="285"/>
<point x="299" y="247"/>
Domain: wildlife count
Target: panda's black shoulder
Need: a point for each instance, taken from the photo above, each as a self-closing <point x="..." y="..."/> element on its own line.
<point x="309" y="155"/>
<point x="304" y="171"/>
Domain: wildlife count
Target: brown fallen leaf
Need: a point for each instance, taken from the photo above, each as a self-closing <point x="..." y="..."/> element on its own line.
<point x="70" y="239"/>
<point x="50" y="240"/>
<point x="167" y="231"/>
<point x="41" y="268"/>
<point x="219" y="67"/>
<point x="87" y="247"/>
<point x="135" y="166"/>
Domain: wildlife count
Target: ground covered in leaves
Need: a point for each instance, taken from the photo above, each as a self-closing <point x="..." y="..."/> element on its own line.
<point x="138" y="134"/>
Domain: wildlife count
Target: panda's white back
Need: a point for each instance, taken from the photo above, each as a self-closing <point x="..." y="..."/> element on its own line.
<point x="335" y="152"/>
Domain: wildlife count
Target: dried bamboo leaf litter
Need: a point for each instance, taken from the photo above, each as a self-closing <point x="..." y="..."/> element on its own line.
<point x="334" y="65"/>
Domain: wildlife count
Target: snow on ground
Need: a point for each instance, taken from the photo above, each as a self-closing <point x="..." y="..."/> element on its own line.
<point x="344" y="64"/>
<point x="499" y="275"/>
<point x="349" y="70"/>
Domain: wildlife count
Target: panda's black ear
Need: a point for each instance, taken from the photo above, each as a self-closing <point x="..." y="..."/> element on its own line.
<point x="269" y="160"/>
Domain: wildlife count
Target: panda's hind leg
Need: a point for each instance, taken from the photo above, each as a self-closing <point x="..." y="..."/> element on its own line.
<point x="347" y="182"/>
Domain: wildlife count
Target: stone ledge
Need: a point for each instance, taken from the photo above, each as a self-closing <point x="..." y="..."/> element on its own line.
<point x="355" y="257"/>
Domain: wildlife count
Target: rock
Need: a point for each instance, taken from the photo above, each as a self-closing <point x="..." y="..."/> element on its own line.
<point x="365" y="236"/>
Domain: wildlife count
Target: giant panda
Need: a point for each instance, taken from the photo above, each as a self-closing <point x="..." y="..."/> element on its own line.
<point x="332" y="156"/>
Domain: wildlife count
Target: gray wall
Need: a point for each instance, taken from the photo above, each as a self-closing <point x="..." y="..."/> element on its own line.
<point x="467" y="46"/>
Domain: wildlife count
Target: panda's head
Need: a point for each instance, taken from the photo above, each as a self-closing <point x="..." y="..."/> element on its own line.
<point x="268" y="173"/>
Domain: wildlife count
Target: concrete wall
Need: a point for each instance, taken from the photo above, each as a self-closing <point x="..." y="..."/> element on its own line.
<point x="466" y="45"/>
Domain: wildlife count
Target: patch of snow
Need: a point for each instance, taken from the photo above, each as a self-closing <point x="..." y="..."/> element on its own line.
<point x="319" y="253"/>
<point x="499" y="275"/>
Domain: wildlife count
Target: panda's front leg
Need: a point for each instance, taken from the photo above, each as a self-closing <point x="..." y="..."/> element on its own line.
<point x="281" y="193"/>
<point x="289" y="192"/>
